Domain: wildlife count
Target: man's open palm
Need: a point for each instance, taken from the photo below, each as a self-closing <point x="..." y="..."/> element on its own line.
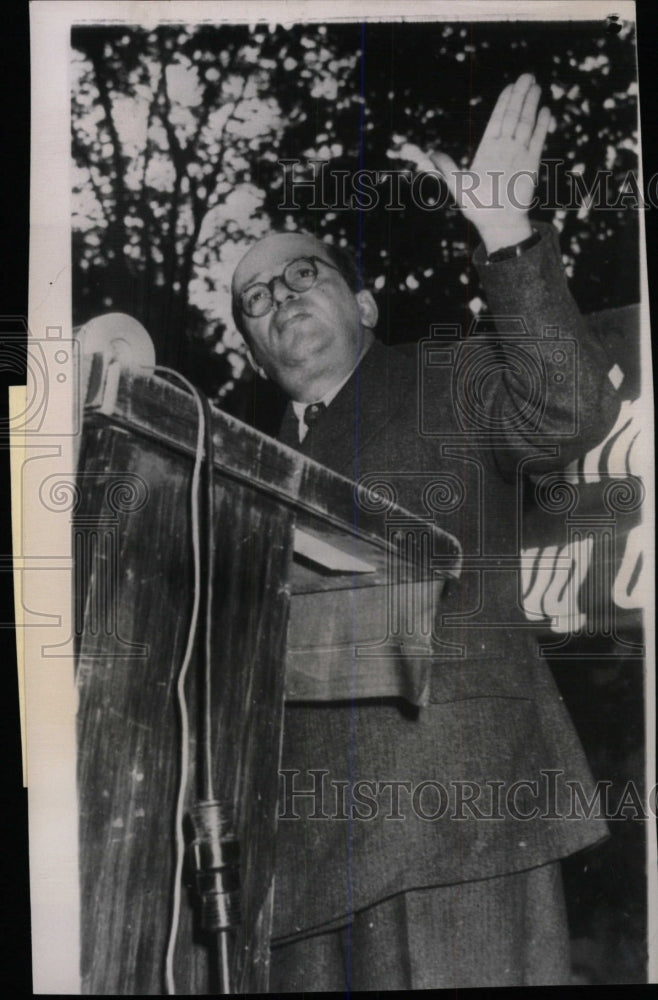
<point x="503" y="174"/>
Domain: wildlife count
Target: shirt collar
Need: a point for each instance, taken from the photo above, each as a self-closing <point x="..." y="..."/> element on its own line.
<point x="299" y="407"/>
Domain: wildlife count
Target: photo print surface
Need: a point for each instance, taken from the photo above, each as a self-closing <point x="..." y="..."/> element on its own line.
<point x="343" y="500"/>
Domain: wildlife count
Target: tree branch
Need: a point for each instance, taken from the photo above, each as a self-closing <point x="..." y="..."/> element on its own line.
<point x="95" y="54"/>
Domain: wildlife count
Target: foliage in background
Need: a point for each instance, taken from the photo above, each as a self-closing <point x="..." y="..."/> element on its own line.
<point x="177" y="133"/>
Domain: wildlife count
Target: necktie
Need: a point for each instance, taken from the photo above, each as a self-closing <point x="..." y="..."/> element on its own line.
<point x="313" y="412"/>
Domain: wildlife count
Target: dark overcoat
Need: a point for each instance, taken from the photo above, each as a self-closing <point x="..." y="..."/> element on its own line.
<point x="455" y="428"/>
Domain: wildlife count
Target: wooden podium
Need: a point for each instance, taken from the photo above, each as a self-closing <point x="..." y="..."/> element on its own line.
<point x="292" y="540"/>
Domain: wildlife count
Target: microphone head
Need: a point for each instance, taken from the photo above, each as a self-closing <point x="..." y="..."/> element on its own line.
<point x="119" y="338"/>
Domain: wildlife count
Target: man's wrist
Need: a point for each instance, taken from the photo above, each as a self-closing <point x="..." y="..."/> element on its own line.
<point x="508" y="236"/>
<point x="515" y="250"/>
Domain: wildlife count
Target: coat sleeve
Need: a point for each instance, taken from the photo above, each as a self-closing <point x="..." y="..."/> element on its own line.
<point x="548" y="394"/>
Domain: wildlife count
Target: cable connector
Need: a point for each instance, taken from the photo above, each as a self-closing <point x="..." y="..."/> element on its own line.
<point x="214" y="855"/>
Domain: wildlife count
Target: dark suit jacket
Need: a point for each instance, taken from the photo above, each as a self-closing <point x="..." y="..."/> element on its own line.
<point x="453" y="429"/>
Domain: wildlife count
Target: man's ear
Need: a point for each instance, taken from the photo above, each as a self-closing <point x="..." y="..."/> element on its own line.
<point x="367" y="308"/>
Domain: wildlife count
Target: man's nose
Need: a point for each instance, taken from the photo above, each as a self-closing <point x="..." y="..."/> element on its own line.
<point x="280" y="291"/>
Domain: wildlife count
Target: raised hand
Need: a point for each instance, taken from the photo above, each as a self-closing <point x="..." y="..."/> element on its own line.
<point x="497" y="190"/>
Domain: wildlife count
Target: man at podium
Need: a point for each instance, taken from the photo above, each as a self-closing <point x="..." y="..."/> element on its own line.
<point x="419" y="845"/>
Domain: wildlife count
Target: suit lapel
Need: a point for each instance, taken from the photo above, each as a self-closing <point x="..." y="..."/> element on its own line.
<point x="289" y="429"/>
<point x="380" y="383"/>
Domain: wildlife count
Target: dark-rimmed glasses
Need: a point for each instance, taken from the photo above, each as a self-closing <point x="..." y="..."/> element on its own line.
<point x="298" y="275"/>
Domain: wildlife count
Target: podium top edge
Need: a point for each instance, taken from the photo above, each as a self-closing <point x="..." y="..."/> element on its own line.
<point x="153" y="407"/>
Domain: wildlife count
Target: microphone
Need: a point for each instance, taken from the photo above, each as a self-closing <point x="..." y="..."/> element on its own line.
<point x="118" y="337"/>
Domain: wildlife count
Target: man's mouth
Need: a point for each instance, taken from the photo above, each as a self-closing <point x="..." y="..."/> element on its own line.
<point x="284" y="319"/>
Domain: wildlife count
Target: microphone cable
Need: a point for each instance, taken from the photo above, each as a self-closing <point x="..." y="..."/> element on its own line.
<point x="182" y="677"/>
<point x="215" y="849"/>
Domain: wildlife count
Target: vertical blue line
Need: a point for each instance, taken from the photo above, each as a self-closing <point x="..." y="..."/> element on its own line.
<point x="359" y="264"/>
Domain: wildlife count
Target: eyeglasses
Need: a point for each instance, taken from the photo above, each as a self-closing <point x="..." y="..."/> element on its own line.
<point x="298" y="275"/>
